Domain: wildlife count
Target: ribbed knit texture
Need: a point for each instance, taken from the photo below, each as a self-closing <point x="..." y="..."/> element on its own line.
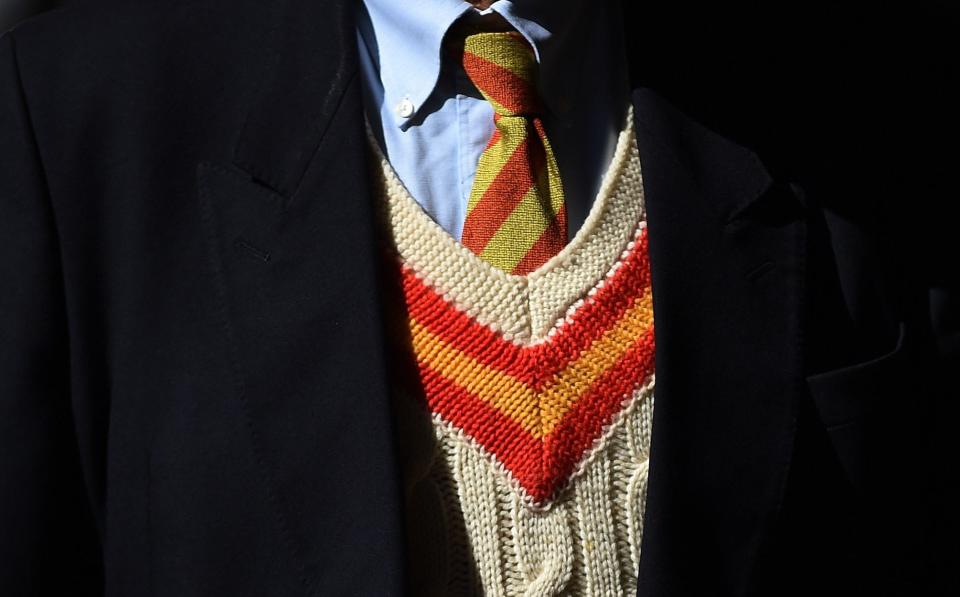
<point x="525" y="424"/>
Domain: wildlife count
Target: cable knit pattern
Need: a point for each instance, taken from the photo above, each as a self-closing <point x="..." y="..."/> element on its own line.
<point x="527" y="474"/>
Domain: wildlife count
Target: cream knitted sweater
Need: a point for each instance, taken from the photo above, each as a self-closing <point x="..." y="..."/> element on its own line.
<point x="525" y="427"/>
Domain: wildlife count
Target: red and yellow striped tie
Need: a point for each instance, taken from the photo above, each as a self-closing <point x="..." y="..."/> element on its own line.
<point x="516" y="218"/>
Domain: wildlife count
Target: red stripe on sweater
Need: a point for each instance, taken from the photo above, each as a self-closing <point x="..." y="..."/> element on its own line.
<point x="534" y="365"/>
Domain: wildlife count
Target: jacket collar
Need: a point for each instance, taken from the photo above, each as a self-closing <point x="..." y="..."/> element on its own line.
<point x="727" y="274"/>
<point x="403" y="42"/>
<point x="309" y="60"/>
<point x="311" y="57"/>
<point x="725" y="245"/>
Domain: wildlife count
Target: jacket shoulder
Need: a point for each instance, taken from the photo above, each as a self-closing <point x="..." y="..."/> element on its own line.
<point x="88" y="48"/>
<point x="112" y="76"/>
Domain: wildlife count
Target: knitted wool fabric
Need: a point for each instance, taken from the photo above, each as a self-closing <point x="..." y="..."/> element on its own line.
<point x="525" y="429"/>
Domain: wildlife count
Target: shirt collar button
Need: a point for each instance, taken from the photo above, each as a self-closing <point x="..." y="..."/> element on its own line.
<point x="405" y="108"/>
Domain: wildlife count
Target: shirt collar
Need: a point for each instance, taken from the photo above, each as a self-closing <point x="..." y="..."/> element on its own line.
<point x="404" y="40"/>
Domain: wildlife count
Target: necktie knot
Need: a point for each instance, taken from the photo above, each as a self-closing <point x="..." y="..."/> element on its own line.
<point x="516" y="219"/>
<point x="503" y="67"/>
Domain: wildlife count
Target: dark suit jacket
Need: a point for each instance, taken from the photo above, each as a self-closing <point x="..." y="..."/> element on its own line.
<point x="14" y="11"/>
<point x="193" y="388"/>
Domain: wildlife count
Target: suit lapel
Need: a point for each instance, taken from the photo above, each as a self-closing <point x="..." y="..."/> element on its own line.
<point x="310" y="60"/>
<point x="292" y="248"/>
<point x="726" y="258"/>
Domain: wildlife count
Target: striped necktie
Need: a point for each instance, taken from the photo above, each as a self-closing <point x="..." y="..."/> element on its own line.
<point x="516" y="219"/>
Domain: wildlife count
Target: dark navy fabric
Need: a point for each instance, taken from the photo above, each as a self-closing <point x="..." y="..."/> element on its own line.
<point x="194" y="398"/>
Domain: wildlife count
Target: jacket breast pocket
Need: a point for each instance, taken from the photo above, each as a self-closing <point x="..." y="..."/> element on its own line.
<point x="873" y="414"/>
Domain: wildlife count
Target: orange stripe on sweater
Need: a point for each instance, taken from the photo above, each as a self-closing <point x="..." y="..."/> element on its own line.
<point x="539" y="406"/>
<point x="588" y="322"/>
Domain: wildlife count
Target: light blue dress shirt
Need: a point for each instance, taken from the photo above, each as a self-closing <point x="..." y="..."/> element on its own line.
<point x="432" y="123"/>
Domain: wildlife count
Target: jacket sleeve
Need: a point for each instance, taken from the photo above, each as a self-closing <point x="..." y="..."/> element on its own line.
<point x="47" y="533"/>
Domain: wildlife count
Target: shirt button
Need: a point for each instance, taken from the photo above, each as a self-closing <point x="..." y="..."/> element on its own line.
<point x="405" y="108"/>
